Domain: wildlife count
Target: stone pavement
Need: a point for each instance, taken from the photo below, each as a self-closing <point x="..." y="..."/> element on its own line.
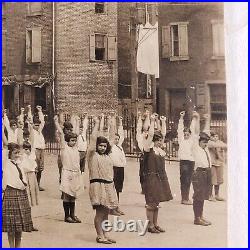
<point x="177" y="219"/>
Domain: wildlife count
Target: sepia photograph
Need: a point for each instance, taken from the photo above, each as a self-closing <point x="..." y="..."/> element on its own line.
<point x="115" y="118"/>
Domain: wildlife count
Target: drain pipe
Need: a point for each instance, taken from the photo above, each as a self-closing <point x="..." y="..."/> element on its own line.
<point x="53" y="56"/>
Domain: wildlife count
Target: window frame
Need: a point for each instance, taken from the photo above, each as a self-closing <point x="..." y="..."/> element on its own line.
<point x="219" y="56"/>
<point x="107" y="58"/>
<point x="30" y="45"/>
<point x="104" y="8"/>
<point x="172" y="56"/>
<point x="38" y="13"/>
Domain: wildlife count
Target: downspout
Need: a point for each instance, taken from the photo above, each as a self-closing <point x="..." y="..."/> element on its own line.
<point x="53" y="56"/>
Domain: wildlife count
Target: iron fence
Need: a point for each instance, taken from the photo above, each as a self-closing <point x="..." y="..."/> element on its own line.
<point x="130" y="144"/>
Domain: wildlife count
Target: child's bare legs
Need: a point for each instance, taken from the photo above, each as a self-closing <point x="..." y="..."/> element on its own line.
<point x="150" y="216"/>
<point x="105" y="217"/>
<point x="18" y="237"/>
<point x="101" y="213"/>
<point x="11" y="239"/>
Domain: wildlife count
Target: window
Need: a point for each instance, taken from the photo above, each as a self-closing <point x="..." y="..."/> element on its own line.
<point x="175" y="41"/>
<point x="33" y="45"/>
<point x="99" y="8"/>
<point x="34" y="8"/>
<point x="3" y="10"/>
<point x="103" y="47"/>
<point x="4" y="47"/>
<point x="218" y="101"/>
<point x="218" y="39"/>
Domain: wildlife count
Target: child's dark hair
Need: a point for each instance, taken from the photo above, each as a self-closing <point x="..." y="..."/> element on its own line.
<point x="116" y="134"/>
<point x="13" y="122"/>
<point x="12" y="147"/>
<point x="26" y="145"/>
<point x="26" y="133"/>
<point x="186" y="129"/>
<point x="102" y="139"/>
<point x="157" y="136"/>
<point x="36" y="120"/>
<point x="69" y="136"/>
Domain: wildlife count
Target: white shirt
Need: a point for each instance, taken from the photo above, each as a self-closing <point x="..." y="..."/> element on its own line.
<point x="202" y="157"/>
<point x="12" y="136"/>
<point x="185" y="151"/>
<point x="118" y="156"/>
<point x="28" y="163"/>
<point x="82" y="143"/>
<point x="12" y="176"/>
<point x="39" y="142"/>
<point x="70" y="158"/>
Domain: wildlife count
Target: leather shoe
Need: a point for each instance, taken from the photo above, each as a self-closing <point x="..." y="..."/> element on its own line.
<point x="218" y="198"/>
<point x="34" y="229"/>
<point x="69" y="220"/>
<point x="161" y="230"/>
<point x="153" y="230"/>
<point x="76" y="220"/>
<point x="41" y="189"/>
<point x="199" y="221"/>
<point x="186" y="202"/>
<point x="208" y="222"/>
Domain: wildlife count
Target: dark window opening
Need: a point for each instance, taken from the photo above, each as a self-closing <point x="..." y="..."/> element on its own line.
<point x="40" y="97"/>
<point x="8" y="97"/>
<point x="99" y="7"/>
<point x="100" y="47"/>
<point x="218" y="102"/>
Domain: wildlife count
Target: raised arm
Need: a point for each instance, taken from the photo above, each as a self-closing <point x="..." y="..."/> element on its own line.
<point x="60" y="132"/>
<point x="149" y="140"/>
<point x="94" y="134"/>
<point x="163" y="126"/>
<point x="207" y="124"/>
<point x="6" y="121"/>
<point x="181" y="127"/>
<point x="85" y="124"/>
<point x="31" y="130"/>
<point x="101" y="122"/>
<point x="112" y="128"/>
<point x="139" y="138"/>
<point x="41" y="118"/>
<point x="21" y="116"/>
<point x="195" y="124"/>
<point x="29" y="114"/>
<point x="4" y="138"/>
<point x="146" y="123"/>
<point x="120" y="131"/>
<point x="77" y="124"/>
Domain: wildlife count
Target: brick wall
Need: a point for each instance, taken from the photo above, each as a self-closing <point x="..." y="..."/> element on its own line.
<point x="15" y="23"/>
<point x="200" y="67"/>
<point x="81" y="85"/>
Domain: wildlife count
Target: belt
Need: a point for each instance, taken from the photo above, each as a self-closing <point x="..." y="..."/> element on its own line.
<point x="202" y="169"/>
<point x="100" y="181"/>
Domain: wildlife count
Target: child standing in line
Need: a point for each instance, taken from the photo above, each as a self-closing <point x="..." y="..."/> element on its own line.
<point x="186" y="143"/>
<point x="71" y="181"/>
<point x="156" y="183"/>
<point x="16" y="211"/>
<point x="82" y="142"/>
<point x="119" y="160"/>
<point x="102" y="192"/>
<point x="216" y="148"/>
<point x="39" y="144"/>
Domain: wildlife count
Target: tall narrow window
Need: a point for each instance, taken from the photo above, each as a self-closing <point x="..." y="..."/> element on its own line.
<point x="99" y="7"/>
<point x="100" y="50"/>
<point x="175" y="41"/>
<point x="33" y="45"/>
<point x="4" y="47"/>
<point x="34" y="8"/>
<point x="218" y="39"/>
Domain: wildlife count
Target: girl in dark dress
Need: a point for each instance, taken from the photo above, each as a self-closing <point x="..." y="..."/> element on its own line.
<point x="156" y="184"/>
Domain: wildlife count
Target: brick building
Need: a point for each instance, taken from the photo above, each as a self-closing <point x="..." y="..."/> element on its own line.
<point x="26" y="55"/>
<point x="192" y="65"/>
<point x="86" y="56"/>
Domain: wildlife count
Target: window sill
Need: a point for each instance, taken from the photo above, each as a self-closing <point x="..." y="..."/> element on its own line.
<point x="218" y="57"/>
<point x="35" y="14"/>
<point x="179" y="58"/>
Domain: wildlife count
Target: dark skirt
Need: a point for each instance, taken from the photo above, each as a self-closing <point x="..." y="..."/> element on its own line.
<point x="201" y="181"/>
<point x="16" y="211"/>
<point x="155" y="183"/>
<point x="118" y="178"/>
